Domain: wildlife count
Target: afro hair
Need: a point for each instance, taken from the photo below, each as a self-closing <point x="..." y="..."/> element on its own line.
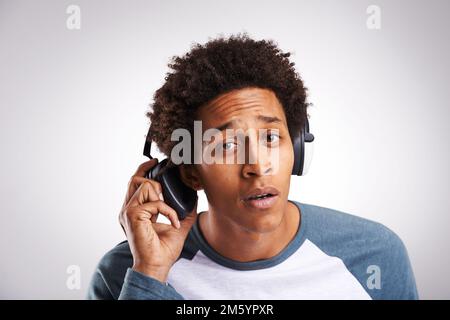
<point x="219" y="66"/>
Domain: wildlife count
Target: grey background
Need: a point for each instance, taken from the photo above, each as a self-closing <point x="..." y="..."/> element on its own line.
<point x="73" y="123"/>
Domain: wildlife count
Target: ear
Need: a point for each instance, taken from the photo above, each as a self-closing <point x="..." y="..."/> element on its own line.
<point x="190" y="177"/>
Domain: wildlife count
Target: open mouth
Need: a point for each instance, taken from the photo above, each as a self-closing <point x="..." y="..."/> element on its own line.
<point x="261" y="198"/>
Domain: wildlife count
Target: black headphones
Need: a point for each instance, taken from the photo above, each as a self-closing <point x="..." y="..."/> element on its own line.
<point x="183" y="198"/>
<point x="303" y="150"/>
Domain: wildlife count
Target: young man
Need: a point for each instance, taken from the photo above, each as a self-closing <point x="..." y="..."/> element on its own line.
<point x="242" y="247"/>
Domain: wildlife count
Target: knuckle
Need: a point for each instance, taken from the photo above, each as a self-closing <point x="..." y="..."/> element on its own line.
<point x="157" y="186"/>
<point x="152" y="184"/>
<point x="146" y="185"/>
<point x="132" y="181"/>
<point x="147" y="182"/>
<point x="162" y="206"/>
<point x="169" y="209"/>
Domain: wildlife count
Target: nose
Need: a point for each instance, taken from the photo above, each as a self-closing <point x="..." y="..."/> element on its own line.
<point x="255" y="170"/>
<point x="257" y="159"/>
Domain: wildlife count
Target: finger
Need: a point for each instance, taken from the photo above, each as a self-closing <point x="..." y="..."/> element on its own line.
<point x="187" y="223"/>
<point x="161" y="207"/>
<point x="146" y="193"/>
<point x="139" y="224"/>
<point x="144" y="167"/>
<point x="134" y="184"/>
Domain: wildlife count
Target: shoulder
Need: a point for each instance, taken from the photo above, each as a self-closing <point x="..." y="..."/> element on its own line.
<point x="107" y="281"/>
<point x="364" y="246"/>
<point x="120" y="255"/>
<point x="327" y="225"/>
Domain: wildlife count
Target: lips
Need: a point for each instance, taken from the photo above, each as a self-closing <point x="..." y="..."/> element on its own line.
<point x="261" y="198"/>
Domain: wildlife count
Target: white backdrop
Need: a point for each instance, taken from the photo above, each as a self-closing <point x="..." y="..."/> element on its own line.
<point x="73" y="123"/>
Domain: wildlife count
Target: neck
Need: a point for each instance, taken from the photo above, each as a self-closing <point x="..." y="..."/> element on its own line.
<point x="247" y="245"/>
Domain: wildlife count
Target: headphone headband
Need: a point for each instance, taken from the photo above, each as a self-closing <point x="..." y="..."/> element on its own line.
<point x="148" y="145"/>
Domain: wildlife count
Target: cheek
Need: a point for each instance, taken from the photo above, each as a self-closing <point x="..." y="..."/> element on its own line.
<point x="220" y="179"/>
<point x="288" y="154"/>
<point x="283" y="159"/>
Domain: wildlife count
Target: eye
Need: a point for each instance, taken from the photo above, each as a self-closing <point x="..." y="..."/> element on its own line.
<point x="228" y="145"/>
<point x="272" y="137"/>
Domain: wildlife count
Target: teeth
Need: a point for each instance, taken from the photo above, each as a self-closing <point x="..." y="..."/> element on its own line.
<point x="260" y="196"/>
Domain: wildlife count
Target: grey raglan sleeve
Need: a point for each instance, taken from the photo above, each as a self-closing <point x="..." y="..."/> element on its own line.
<point x="138" y="286"/>
<point x="398" y="280"/>
<point x="374" y="254"/>
<point x="98" y="289"/>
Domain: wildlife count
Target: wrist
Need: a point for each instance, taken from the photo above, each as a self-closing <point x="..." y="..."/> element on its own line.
<point x="157" y="273"/>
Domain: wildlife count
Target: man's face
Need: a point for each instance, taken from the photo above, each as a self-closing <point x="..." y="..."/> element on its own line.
<point x="227" y="185"/>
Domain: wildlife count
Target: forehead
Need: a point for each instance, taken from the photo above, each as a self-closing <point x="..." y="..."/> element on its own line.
<point x="240" y="105"/>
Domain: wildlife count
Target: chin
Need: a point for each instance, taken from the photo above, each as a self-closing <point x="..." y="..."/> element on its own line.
<point x="264" y="222"/>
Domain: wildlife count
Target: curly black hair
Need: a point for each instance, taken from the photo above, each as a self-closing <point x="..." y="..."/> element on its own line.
<point x="219" y="66"/>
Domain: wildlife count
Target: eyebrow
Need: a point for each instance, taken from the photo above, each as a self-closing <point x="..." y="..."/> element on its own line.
<point x="266" y="119"/>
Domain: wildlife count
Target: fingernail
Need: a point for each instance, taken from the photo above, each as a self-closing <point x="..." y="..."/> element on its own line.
<point x="161" y="197"/>
<point x="178" y="224"/>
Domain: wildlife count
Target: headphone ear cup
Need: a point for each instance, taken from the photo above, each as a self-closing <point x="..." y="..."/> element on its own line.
<point x="307" y="157"/>
<point x="303" y="150"/>
<point x="297" y="142"/>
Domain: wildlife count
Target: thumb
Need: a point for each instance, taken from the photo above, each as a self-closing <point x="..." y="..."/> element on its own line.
<point x="187" y="223"/>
